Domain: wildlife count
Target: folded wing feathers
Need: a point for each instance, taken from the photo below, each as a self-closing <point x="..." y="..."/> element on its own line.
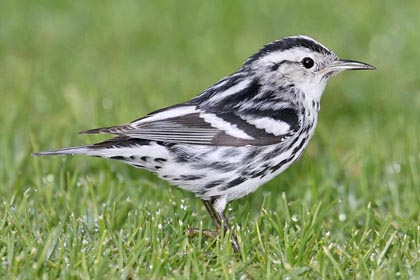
<point x="186" y="123"/>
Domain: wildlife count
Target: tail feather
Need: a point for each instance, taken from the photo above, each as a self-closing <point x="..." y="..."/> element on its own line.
<point x="81" y="150"/>
<point x="107" y="148"/>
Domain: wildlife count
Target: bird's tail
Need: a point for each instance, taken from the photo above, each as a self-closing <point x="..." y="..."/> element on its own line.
<point x="81" y="150"/>
<point x="109" y="148"/>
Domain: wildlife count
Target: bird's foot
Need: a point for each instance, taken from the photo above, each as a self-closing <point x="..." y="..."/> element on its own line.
<point x="214" y="234"/>
<point x="206" y="232"/>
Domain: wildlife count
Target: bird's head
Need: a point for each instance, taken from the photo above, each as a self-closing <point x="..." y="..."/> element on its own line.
<point x="301" y="61"/>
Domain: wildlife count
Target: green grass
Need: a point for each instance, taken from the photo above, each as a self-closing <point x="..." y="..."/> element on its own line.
<point x="348" y="209"/>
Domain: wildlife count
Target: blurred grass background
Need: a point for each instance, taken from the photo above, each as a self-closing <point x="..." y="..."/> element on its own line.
<point x="348" y="208"/>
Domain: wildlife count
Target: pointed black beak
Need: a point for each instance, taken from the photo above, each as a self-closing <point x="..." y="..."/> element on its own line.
<point x="344" y="64"/>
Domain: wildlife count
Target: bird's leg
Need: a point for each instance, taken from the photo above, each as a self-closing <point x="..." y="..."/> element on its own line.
<point x="220" y="220"/>
<point x="225" y="222"/>
<point x="213" y="214"/>
<point x="216" y="219"/>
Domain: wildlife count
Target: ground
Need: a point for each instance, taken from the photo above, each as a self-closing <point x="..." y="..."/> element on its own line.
<point x="348" y="209"/>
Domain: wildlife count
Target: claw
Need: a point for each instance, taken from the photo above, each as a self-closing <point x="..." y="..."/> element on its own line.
<point x="206" y="232"/>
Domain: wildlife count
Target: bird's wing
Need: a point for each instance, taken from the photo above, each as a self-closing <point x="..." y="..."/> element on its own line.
<point x="190" y="124"/>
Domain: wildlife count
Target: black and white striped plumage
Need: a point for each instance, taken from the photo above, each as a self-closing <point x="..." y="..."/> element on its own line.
<point x="236" y="135"/>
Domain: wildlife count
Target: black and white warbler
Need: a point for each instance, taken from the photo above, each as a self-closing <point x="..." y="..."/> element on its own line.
<point x="236" y="135"/>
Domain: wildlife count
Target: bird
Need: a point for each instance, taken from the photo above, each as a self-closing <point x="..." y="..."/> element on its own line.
<point x="236" y="135"/>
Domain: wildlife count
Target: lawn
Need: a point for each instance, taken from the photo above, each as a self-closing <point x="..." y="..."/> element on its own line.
<point x="349" y="208"/>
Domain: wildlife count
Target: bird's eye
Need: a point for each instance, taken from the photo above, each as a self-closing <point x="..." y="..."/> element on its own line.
<point x="308" y="62"/>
